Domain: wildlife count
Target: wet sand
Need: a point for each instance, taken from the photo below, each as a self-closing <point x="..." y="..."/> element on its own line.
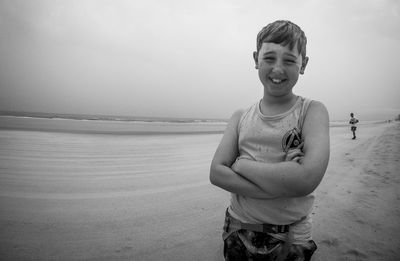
<point x="72" y="196"/>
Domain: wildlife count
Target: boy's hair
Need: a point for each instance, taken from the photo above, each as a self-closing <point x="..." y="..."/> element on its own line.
<point x="285" y="33"/>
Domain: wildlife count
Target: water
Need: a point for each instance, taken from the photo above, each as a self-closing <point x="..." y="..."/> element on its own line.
<point x="107" y="117"/>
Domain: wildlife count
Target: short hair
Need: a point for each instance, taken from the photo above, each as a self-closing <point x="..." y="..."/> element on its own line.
<point x="285" y="33"/>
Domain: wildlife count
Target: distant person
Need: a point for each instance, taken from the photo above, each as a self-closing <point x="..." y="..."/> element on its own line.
<point x="272" y="156"/>
<point x="353" y="121"/>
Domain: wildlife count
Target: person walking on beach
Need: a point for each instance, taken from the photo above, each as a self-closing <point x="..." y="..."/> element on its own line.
<point x="353" y="121"/>
<point x="272" y="156"/>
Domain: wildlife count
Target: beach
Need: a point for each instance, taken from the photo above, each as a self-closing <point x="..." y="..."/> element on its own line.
<point x="85" y="195"/>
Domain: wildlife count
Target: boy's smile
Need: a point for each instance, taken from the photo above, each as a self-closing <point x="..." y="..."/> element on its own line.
<point x="278" y="68"/>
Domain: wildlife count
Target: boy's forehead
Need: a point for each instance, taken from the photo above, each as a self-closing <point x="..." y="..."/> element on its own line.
<point x="273" y="47"/>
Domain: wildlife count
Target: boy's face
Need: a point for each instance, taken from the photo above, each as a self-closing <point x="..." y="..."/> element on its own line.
<point x="279" y="68"/>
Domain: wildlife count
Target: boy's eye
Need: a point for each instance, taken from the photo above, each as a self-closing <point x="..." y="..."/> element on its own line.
<point x="268" y="59"/>
<point x="290" y="61"/>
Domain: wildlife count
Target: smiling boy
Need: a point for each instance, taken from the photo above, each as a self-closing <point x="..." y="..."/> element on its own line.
<point x="272" y="156"/>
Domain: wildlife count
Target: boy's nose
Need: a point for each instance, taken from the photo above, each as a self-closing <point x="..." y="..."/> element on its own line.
<point x="277" y="68"/>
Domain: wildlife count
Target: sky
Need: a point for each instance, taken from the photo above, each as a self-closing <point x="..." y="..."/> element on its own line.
<point x="192" y="59"/>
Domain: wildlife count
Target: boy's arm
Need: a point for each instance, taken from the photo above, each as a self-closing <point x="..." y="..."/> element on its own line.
<point x="291" y="178"/>
<point x="222" y="175"/>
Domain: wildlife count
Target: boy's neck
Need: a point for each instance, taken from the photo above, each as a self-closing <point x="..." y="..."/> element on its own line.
<point x="277" y="105"/>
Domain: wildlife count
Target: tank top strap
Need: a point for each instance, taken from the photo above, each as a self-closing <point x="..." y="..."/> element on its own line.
<point x="303" y="112"/>
<point x="244" y="115"/>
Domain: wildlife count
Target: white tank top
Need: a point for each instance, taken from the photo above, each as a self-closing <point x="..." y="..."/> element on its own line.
<point x="265" y="138"/>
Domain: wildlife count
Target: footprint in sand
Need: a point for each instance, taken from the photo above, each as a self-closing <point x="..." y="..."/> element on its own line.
<point x="360" y="221"/>
<point x="124" y="249"/>
<point x="330" y="242"/>
<point x="355" y="252"/>
<point x="373" y="194"/>
<point x="370" y="171"/>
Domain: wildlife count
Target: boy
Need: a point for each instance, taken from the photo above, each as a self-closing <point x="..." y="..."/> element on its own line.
<point x="353" y="121"/>
<point x="272" y="156"/>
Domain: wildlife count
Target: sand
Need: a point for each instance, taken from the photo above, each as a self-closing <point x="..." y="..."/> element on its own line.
<point x="71" y="196"/>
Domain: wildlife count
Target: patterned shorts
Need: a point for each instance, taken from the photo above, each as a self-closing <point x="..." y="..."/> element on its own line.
<point x="236" y="250"/>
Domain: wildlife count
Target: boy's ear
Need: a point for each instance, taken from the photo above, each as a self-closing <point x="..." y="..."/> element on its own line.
<point x="303" y="65"/>
<point x="255" y="57"/>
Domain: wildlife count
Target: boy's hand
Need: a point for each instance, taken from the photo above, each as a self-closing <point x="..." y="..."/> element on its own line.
<point x="235" y="166"/>
<point x="295" y="154"/>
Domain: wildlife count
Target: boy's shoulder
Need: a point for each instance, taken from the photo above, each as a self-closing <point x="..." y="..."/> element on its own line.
<point x="309" y="104"/>
<point x="239" y="114"/>
<point x="317" y="110"/>
<point x="315" y="104"/>
<point x="242" y="111"/>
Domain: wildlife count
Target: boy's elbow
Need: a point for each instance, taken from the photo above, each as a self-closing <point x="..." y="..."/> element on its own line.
<point x="311" y="176"/>
<point x="218" y="174"/>
<point x="302" y="184"/>
<point x="214" y="179"/>
<point x="304" y="190"/>
<point x="301" y="189"/>
<point x="309" y="183"/>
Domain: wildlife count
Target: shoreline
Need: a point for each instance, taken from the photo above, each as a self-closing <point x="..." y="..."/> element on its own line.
<point x="114" y="127"/>
<point x="124" y="127"/>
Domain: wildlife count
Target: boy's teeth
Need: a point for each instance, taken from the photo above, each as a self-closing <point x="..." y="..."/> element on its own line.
<point x="277" y="80"/>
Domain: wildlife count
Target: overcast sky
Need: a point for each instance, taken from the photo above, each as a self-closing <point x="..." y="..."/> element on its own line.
<point x="180" y="58"/>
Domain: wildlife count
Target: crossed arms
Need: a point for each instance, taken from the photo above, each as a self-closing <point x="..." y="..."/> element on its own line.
<point x="298" y="176"/>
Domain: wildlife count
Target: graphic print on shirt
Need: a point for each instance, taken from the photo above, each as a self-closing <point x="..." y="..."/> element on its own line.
<point x="291" y="139"/>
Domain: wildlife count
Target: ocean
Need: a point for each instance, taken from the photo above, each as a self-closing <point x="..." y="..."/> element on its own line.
<point x="111" y="124"/>
<point x="108" y="124"/>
